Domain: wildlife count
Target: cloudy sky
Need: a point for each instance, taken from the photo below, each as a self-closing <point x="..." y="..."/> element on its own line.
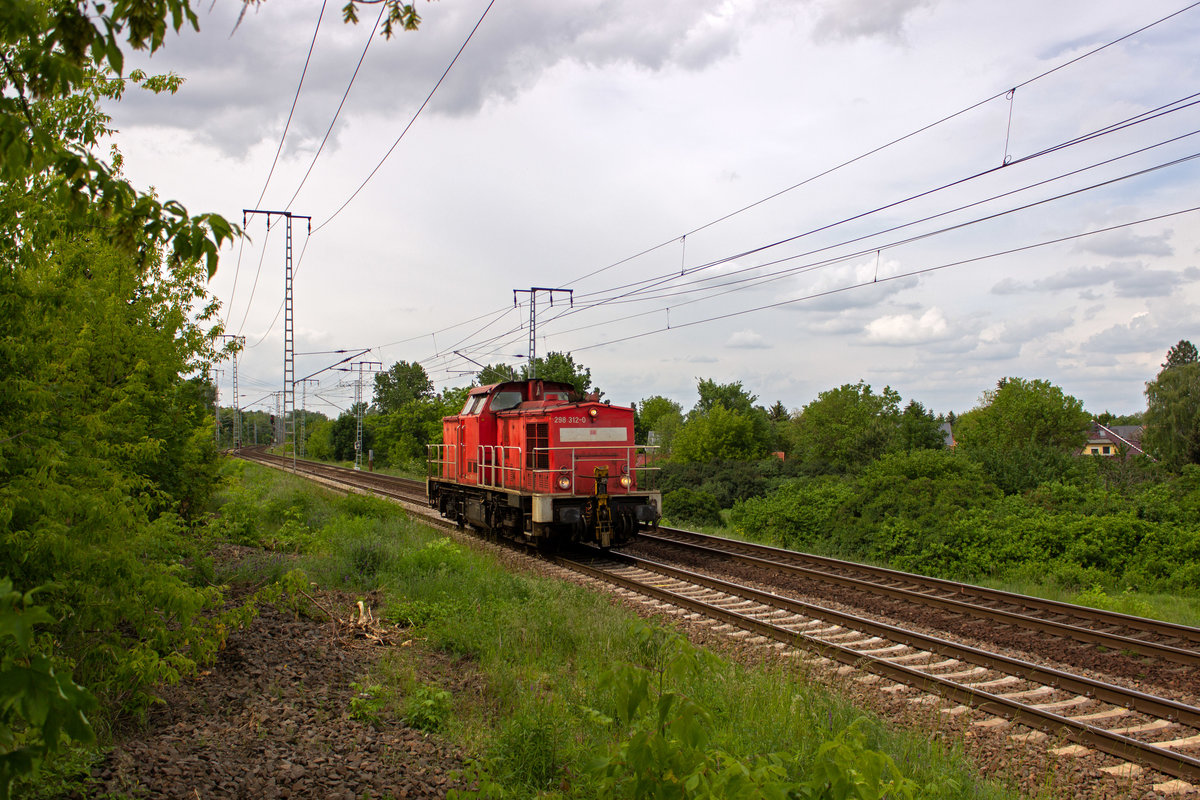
<point x="796" y="194"/>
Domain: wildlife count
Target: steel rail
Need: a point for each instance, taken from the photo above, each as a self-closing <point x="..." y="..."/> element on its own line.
<point x="1160" y="627"/>
<point x="1116" y="641"/>
<point x="392" y="484"/>
<point x="1161" y="759"/>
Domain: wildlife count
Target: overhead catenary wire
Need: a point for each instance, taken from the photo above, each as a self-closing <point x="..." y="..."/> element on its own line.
<point x="707" y="292"/>
<point x="674" y="239"/>
<point x="1179" y="105"/>
<point x="887" y="145"/>
<point x="254" y="287"/>
<point x="337" y="113"/>
<point x="377" y="167"/>
<point x="683" y="289"/>
<point x="889" y="278"/>
<point x="278" y="151"/>
<point x="424" y="103"/>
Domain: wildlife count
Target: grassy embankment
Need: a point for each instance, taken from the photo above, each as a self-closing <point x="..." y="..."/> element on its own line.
<point x="573" y="683"/>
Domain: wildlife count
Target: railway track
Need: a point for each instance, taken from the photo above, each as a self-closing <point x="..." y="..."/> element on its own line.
<point x="1138" y="729"/>
<point x="406" y="489"/>
<point x="1178" y="644"/>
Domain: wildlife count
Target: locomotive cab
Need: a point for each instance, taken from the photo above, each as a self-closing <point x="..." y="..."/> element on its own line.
<point x="532" y="458"/>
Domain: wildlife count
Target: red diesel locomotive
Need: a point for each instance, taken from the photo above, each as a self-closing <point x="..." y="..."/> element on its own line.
<point x="532" y="459"/>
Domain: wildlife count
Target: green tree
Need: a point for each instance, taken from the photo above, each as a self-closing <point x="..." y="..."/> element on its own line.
<point x="561" y="367"/>
<point x="401" y="384"/>
<point x="918" y="429"/>
<point x="59" y="61"/>
<point x="1109" y="418"/>
<point x="344" y="435"/>
<point x="653" y="414"/>
<point x="1024" y="433"/>
<point x="106" y="451"/>
<point x="1182" y="353"/>
<point x="1172" y="416"/>
<point x="1021" y="413"/>
<point x="730" y="396"/>
<point x="847" y="427"/>
<point x="498" y="373"/>
<point x="719" y="434"/>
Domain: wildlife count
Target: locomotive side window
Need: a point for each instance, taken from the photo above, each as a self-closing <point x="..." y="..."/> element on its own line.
<point x="473" y="404"/>
<point x="537" y="445"/>
<point x="501" y="401"/>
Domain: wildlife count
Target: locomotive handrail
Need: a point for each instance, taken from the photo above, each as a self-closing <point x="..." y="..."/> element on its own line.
<point x="500" y="465"/>
<point x="434" y="458"/>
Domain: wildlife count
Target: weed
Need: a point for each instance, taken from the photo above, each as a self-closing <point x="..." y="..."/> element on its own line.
<point x="426" y="708"/>
<point x="369" y="703"/>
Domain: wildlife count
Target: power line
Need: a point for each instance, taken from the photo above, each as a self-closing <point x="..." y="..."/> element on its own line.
<point x="382" y="8"/>
<point x="428" y="97"/>
<point x="889" y="278"/>
<point x="681" y="289"/>
<point x="882" y="147"/>
<point x="254" y="287"/>
<point x="295" y="99"/>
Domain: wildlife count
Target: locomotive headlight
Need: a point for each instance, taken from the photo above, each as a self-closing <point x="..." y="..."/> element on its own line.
<point x="592" y="412"/>
<point x="564" y="482"/>
<point x="626" y="481"/>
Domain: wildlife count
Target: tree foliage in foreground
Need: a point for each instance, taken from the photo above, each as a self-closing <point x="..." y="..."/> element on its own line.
<point x="106" y="453"/>
<point x="58" y="60"/>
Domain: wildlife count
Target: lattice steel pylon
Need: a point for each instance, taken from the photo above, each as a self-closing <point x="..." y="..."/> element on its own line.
<point x="215" y="378"/>
<point x="238" y="342"/>
<point x="304" y="382"/>
<point x="533" y="290"/>
<point x="288" y="427"/>
<point x="359" y="406"/>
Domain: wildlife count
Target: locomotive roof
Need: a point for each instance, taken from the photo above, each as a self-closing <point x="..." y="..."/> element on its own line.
<point x="491" y="387"/>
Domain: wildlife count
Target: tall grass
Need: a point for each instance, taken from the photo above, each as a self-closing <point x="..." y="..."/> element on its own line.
<point x="548" y="655"/>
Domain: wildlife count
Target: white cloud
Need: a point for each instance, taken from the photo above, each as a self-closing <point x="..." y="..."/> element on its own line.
<point x="1128" y="279"/>
<point x="577" y="134"/>
<point x="908" y="329"/>
<point x="853" y="19"/>
<point x="747" y="340"/>
<point x="1124" y="243"/>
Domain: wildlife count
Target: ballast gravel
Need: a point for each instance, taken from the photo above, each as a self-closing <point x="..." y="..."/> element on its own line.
<point x="271" y="719"/>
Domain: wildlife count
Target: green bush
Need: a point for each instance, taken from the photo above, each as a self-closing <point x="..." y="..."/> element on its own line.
<point x="802" y="512"/>
<point x="690" y="506"/>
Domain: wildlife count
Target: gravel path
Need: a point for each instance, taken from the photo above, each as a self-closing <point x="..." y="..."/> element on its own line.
<point x="271" y="720"/>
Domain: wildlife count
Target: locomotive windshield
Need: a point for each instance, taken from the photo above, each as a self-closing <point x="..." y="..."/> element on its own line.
<point x="502" y="401"/>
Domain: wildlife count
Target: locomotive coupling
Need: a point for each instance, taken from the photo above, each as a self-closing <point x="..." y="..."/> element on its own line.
<point x="603" y="512"/>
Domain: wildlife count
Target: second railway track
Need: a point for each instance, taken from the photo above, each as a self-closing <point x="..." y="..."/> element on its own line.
<point x="1178" y="644"/>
